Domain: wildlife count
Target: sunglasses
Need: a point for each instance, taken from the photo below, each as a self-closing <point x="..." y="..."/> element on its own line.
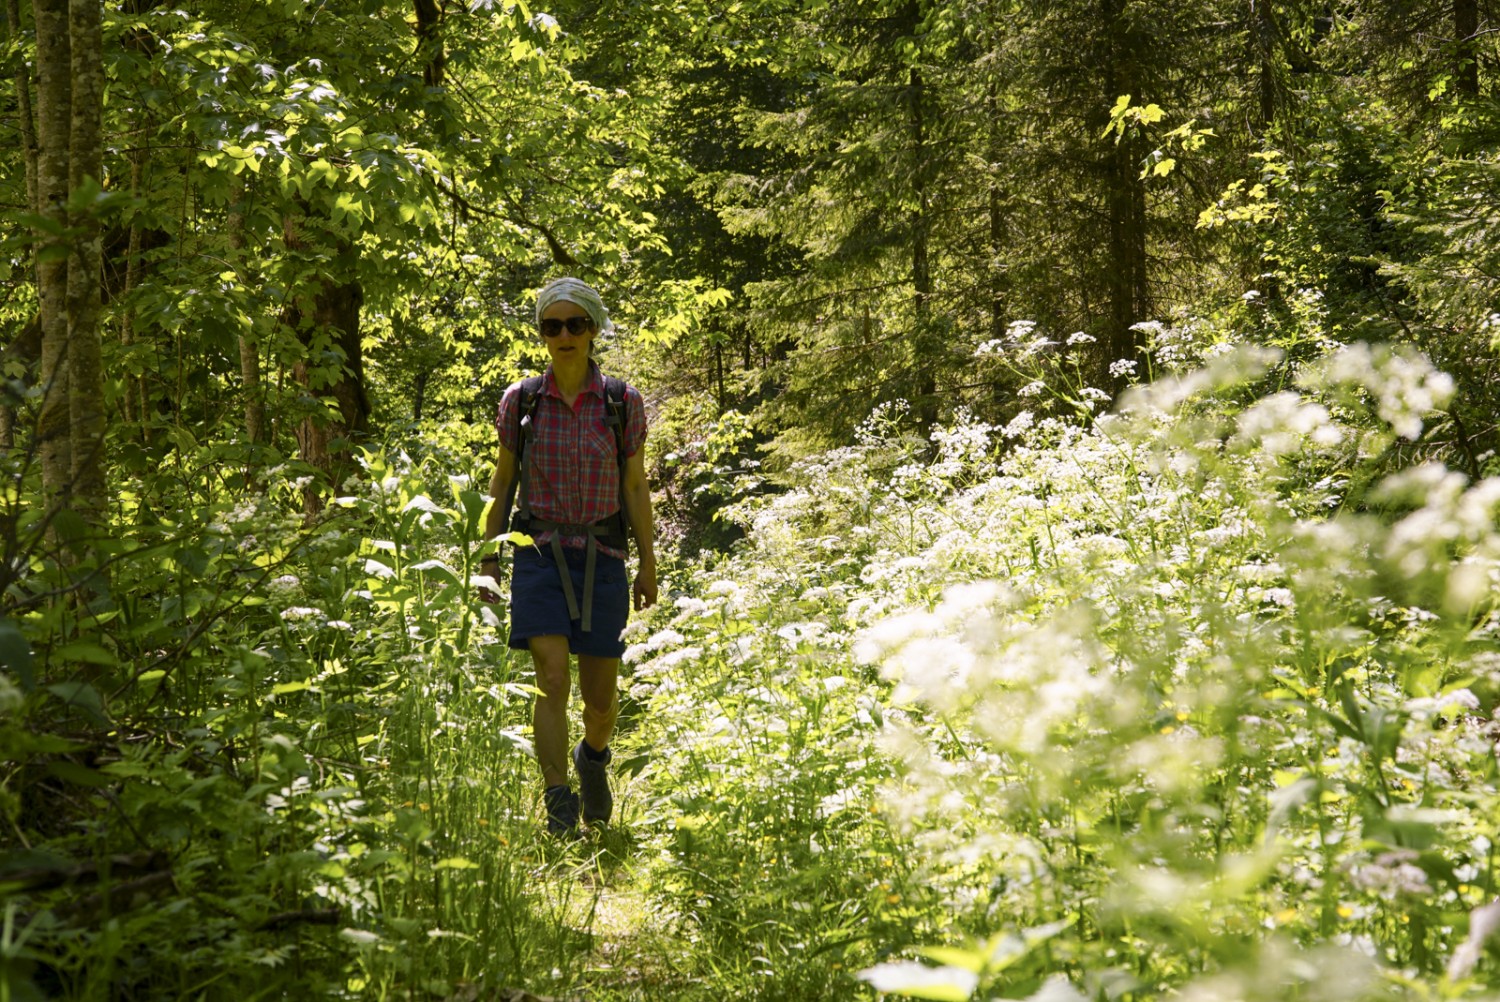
<point x="575" y="326"/>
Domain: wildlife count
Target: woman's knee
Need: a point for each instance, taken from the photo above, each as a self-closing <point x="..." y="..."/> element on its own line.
<point x="598" y="683"/>
<point x="551" y="663"/>
<point x="552" y="682"/>
<point x="601" y="703"/>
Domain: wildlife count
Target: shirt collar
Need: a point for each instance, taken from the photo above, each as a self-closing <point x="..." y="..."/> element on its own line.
<point x="594" y="384"/>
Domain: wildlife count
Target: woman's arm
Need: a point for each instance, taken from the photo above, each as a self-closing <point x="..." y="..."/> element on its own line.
<point x="638" y="511"/>
<point x="505" y="471"/>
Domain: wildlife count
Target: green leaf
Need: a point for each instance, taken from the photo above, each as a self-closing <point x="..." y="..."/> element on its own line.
<point x="85" y="652"/>
<point x="15" y="654"/>
<point x="455" y="863"/>
<point x="79" y="775"/>
<point x="952" y="956"/>
<point x="81" y="695"/>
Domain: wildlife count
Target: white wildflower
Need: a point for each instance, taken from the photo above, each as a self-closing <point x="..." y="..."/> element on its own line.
<point x="285" y="584"/>
<point x="664" y="638"/>
<point x="1282" y="422"/>
<point x="1403" y="382"/>
<point x="1019" y="425"/>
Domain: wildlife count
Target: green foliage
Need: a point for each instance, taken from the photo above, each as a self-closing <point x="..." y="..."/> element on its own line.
<point x="1001" y="683"/>
<point x="290" y="758"/>
<point x="1146" y="704"/>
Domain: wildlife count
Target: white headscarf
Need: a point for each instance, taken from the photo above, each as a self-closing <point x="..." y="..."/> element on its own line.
<point x="573" y="290"/>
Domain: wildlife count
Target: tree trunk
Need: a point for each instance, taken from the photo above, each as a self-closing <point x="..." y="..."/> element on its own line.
<point x="26" y="118"/>
<point x="85" y="264"/>
<point x="332" y="322"/>
<point x="719" y="373"/>
<point x="135" y="388"/>
<point x="1127" y="277"/>
<point x="250" y="381"/>
<point x="1127" y="282"/>
<point x="27" y="123"/>
<point x="921" y="272"/>
<point x="1466" y="34"/>
<point x="997" y="219"/>
<point x="139" y="240"/>
<point x="54" y="112"/>
<point x="430" y="41"/>
<point x="419" y="394"/>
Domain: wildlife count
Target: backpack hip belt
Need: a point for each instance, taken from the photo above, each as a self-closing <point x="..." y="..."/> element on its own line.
<point x="591" y="551"/>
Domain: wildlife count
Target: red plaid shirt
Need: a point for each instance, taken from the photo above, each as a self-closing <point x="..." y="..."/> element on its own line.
<point x="572" y="462"/>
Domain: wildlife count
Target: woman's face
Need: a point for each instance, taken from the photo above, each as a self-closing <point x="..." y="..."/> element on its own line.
<point x="565" y="346"/>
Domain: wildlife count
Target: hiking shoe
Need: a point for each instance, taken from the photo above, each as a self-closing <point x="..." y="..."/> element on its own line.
<point x="562" y="810"/>
<point x="593" y="784"/>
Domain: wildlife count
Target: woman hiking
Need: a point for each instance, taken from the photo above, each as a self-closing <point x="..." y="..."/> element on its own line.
<point x="580" y="485"/>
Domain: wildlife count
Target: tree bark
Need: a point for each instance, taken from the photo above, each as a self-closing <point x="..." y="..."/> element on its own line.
<point x="1465" y="34"/>
<point x="1263" y="30"/>
<point x="331" y="322"/>
<point x="26" y="119"/>
<point x="25" y="116"/>
<point x="135" y="387"/>
<point x="997" y="219"/>
<point x="54" y="113"/>
<point x="85" y="263"/>
<point x="921" y="269"/>
<point x="430" y="41"/>
<point x="250" y="381"/>
<point x="1127" y="276"/>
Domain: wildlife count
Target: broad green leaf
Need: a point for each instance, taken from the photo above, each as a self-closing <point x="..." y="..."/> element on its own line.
<point x="80" y="695"/>
<point x="15" y="654"/>
<point x="952" y="956"/>
<point x="79" y="775"/>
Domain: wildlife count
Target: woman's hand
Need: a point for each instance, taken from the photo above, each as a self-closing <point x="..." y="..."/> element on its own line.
<point x="645" y="585"/>
<point x="489" y="566"/>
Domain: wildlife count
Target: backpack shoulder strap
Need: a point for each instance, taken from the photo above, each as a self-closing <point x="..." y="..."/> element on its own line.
<point x="614" y="412"/>
<point x="614" y="408"/>
<point x="531" y="390"/>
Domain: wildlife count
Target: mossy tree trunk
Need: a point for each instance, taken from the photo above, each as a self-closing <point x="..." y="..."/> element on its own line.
<point x="54" y="127"/>
<point x="85" y="263"/>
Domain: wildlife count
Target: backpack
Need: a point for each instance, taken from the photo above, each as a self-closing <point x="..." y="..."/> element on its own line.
<point x="616" y="528"/>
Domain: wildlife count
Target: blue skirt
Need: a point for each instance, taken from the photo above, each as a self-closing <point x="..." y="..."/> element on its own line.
<point x="539" y="608"/>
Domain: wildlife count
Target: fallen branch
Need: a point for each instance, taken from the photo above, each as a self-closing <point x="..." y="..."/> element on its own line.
<point x="311" y="916"/>
<point x="45" y="878"/>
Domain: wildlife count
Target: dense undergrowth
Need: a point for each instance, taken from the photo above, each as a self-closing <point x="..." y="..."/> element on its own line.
<point x="1192" y="698"/>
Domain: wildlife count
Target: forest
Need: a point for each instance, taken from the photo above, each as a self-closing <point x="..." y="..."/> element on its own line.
<point x="1075" y="445"/>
